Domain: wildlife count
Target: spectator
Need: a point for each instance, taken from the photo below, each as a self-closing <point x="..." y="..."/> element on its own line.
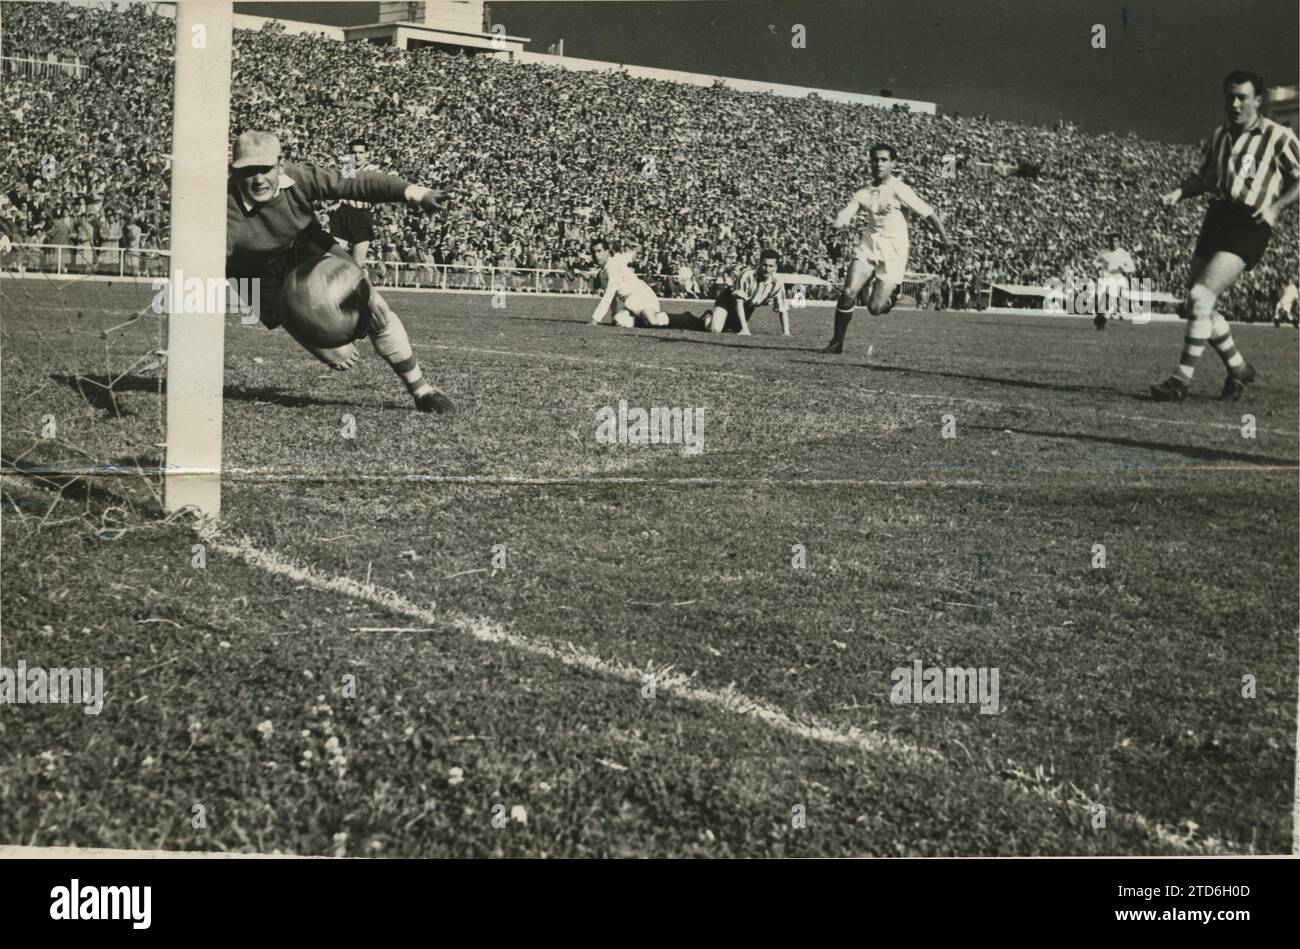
<point x="528" y="147"/>
<point x="110" y="242"/>
<point x="60" y="235"/>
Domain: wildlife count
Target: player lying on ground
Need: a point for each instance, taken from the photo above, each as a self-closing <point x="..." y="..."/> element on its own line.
<point x="881" y="252"/>
<point x="1251" y="167"/>
<point x="734" y="307"/>
<point x="271" y="231"/>
<point x="633" y="300"/>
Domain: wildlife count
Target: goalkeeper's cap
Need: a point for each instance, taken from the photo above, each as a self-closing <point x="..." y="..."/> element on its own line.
<point x="256" y="148"/>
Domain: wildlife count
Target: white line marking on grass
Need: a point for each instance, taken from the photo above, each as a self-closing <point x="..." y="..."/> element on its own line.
<point x="674" y="684"/>
<point x="273" y="475"/>
<point x="21" y="852"/>
<point x="487" y="631"/>
<point x="270" y="475"/>
<point x="392" y="629"/>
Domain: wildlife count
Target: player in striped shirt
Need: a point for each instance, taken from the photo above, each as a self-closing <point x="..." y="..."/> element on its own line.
<point x="881" y="252"/>
<point x="271" y="230"/>
<point x="1251" y="169"/>
<point x="352" y="221"/>
<point x="760" y="285"/>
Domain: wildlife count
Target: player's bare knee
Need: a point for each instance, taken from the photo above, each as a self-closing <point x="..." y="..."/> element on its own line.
<point x="879" y="307"/>
<point x="1200" y="303"/>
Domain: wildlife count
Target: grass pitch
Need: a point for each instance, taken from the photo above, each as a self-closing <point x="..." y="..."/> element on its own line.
<point x="509" y="710"/>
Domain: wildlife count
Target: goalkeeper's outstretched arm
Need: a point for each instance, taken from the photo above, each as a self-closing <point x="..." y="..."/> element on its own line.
<point x="373" y="187"/>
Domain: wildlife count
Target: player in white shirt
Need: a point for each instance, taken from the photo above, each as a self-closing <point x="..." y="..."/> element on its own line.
<point x="1116" y="266"/>
<point x="1284" y="312"/>
<point x="881" y="252"/>
<point x="631" y="297"/>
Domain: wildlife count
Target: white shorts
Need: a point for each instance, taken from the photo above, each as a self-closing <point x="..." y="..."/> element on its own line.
<point x="641" y="302"/>
<point x="886" y="255"/>
<point x="1111" y="292"/>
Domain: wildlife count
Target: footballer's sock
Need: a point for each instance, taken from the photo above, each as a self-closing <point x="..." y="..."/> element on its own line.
<point x="1225" y="347"/>
<point x="842" y="319"/>
<point x="1193" y="346"/>
<point x="389" y="338"/>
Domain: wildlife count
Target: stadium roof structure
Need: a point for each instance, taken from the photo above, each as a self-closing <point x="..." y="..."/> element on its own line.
<point x="410" y="35"/>
<point x="1281" y="106"/>
<point x="465" y="25"/>
<point x="449" y="24"/>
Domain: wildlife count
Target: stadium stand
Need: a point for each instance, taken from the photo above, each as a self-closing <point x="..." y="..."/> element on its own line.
<point x="547" y="158"/>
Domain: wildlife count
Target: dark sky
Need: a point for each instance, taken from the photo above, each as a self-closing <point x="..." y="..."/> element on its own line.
<point x="1029" y="60"/>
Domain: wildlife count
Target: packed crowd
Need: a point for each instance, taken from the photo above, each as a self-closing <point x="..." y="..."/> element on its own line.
<point x="544" y="159"/>
<point x="87" y="161"/>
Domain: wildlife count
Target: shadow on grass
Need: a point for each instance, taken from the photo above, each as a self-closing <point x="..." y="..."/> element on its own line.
<point x="547" y="319"/>
<point x="273" y="395"/>
<point x="94" y="487"/>
<point x="98" y="390"/>
<point x="721" y="339"/>
<point x="1196" y="452"/>
<point x="993" y="380"/>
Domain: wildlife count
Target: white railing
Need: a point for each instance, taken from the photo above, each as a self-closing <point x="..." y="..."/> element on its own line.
<point x="148" y="262"/>
<point x="512" y="280"/>
<point x="105" y="259"/>
<point x="542" y="280"/>
<point x="41" y="68"/>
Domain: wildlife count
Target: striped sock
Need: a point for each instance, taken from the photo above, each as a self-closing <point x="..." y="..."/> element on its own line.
<point x="1193" y="346"/>
<point x="1226" y="348"/>
<point x="388" y="336"/>
<point x="409" y="370"/>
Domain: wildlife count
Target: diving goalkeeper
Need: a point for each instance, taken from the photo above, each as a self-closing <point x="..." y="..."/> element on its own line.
<point x="273" y="236"/>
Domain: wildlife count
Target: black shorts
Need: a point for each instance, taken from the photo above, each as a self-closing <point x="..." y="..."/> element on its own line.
<point x="726" y="299"/>
<point x="1229" y="227"/>
<point x="310" y="243"/>
<point x="353" y="225"/>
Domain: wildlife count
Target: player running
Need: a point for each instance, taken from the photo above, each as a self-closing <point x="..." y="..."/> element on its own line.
<point x="881" y="252"/>
<point x="1115" y="266"/>
<point x="1251" y="168"/>
<point x="734" y="308"/>
<point x="271" y="230"/>
<point x="631" y="296"/>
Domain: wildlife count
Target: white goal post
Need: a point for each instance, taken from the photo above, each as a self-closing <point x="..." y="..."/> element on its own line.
<point x="196" y="341"/>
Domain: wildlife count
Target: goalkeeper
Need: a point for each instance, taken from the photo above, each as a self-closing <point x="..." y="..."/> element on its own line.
<point x="273" y="236"/>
